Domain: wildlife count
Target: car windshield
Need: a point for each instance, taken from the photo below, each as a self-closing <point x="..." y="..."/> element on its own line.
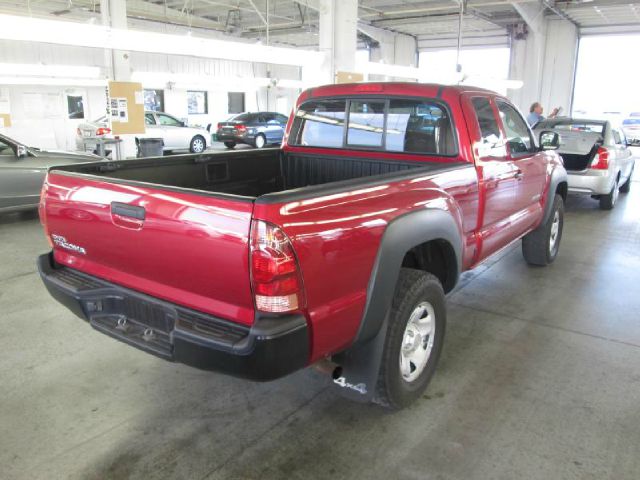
<point x="102" y="119"/>
<point x="573" y="126"/>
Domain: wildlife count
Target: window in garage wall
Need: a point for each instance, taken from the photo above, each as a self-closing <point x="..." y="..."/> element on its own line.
<point x="483" y="67"/>
<point x="197" y="102"/>
<point x="154" y="100"/>
<point x="606" y="77"/>
<point x="236" y="102"/>
<point x="75" y="106"/>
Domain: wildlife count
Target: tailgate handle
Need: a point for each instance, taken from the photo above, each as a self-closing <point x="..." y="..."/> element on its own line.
<point x="125" y="210"/>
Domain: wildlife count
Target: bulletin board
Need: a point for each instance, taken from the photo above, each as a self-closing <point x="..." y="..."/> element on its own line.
<point x="349" y="77"/>
<point x="126" y="107"/>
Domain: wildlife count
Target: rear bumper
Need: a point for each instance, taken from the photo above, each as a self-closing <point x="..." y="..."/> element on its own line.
<point x="247" y="138"/>
<point x="273" y="347"/>
<point x="590" y="182"/>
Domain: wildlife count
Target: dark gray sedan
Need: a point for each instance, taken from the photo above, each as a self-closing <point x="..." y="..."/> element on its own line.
<point x="22" y="172"/>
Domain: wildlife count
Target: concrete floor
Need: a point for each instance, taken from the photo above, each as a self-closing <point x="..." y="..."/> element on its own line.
<point x="540" y="379"/>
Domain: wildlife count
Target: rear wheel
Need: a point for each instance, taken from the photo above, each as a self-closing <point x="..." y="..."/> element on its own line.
<point x="415" y="335"/>
<point x="540" y="247"/>
<point x="608" y="201"/>
<point x="230" y="144"/>
<point x="197" y="144"/>
<point x="260" y="141"/>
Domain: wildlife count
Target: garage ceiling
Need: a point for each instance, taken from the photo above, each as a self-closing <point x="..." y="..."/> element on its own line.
<point x="296" y="22"/>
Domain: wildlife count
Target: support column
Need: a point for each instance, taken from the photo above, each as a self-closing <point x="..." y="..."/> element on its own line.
<point x="338" y="36"/>
<point x="114" y="14"/>
<point x="527" y="55"/>
<point x="393" y="48"/>
<point x="559" y="69"/>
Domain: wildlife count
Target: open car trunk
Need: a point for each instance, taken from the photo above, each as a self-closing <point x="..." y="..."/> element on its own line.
<point x="578" y="149"/>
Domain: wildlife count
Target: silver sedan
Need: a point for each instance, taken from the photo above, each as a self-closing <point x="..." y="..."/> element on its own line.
<point x="22" y="172"/>
<point x="596" y="156"/>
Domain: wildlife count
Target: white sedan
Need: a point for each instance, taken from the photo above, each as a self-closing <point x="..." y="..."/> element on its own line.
<point x="175" y="134"/>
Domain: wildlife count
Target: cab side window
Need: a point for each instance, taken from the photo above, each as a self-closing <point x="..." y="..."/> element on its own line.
<point x="149" y="119"/>
<point x="518" y="135"/>
<point x="491" y="144"/>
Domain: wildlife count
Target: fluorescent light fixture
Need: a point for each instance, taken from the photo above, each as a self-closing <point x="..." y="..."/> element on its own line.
<point x="40" y="70"/>
<point x="160" y="80"/>
<point x="62" y="81"/>
<point x="29" y="29"/>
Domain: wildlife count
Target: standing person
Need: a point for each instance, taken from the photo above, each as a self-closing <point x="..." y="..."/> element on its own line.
<point x="535" y="114"/>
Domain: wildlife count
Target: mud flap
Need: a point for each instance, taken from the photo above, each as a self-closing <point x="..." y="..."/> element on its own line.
<point x="359" y="368"/>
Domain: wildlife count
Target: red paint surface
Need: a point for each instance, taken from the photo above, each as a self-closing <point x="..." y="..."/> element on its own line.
<point x="193" y="249"/>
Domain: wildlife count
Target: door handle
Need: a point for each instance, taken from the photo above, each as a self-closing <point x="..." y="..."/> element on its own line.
<point x="127" y="216"/>
<point x="518" y="175"/>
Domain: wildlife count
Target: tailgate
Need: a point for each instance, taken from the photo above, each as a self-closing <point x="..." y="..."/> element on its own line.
<point x="187" y="248"/>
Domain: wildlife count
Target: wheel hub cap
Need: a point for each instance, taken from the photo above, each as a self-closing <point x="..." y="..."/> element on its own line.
<point x="417" y="341"/>
<point x="555" y="229"/>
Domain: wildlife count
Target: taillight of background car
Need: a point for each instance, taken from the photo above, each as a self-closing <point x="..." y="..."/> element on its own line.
<point x="102" y="131"/>
<point x="601" y="160"/>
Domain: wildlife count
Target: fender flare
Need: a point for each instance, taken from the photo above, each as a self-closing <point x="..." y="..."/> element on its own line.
<point x="558" y="176"/>
<point x="360" y="363"/>
<point x="401" y="235"/>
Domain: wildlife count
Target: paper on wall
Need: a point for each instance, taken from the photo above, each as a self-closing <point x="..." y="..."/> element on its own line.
<point x="113" y="108"/>
<point x="139" y="97"/>
<point x="123" y="110"/>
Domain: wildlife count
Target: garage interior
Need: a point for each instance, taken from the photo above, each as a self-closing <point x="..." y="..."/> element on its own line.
<point x="540" y="371"/>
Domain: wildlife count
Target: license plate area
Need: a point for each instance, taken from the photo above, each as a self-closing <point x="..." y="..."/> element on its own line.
<point x="135" y="321"/>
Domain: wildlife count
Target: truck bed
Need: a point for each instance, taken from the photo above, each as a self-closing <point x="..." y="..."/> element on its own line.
<point x="246" y="173"/>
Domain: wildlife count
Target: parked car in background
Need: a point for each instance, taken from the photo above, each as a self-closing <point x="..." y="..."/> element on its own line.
<point x="631" y="128"/>
<point x="596" y="156"/>
<point x="175" y="133"/>
<point x="255" y="129"/>
<point x="22" y="172"/>
<point x="88" y="133"/>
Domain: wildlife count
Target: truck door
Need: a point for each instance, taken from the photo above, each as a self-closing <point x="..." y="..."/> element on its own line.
<point x="530" y="167"/>
<point x="496" y="174"/>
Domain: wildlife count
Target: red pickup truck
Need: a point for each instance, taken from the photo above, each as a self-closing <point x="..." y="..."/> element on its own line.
<point x="335" y="250"/>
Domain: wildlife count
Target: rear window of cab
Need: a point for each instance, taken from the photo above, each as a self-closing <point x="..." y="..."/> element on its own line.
<point x="397" y="125"/>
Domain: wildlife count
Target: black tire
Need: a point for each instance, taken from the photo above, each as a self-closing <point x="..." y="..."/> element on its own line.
<point x="537" y="247"/>
<point x="626" y="186"/>
<point x="608" y="201"/>
<point x="414" y="287"/>
<point x="230" y="144"/>
<point x="198" y="144"/>
<point x="260" y="141"/>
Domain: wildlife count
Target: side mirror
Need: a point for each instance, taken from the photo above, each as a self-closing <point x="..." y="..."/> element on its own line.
<point x="184" y="122"/>
<point x="22" y="151"/>
<point x="549" y="140"/>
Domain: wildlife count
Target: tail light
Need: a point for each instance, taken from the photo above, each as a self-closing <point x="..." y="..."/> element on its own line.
<point x="42" y="211"/>
<point x="219" y="126"/>
<point x="601" y="160"/>
<point x="241" y="128"/>
<point x="102" y="131"/>
<point x="275" y="272"/>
